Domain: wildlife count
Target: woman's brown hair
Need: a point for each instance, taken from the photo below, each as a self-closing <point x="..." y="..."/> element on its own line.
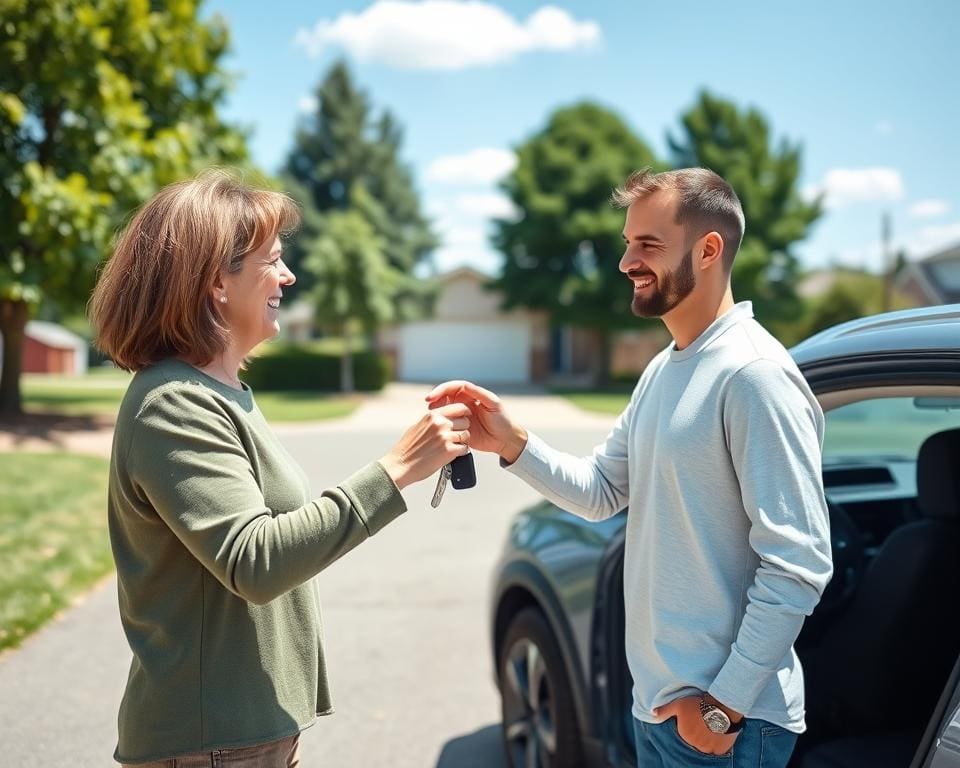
<point x="153" y="299"/>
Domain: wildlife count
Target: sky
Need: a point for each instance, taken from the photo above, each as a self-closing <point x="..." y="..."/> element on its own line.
<point x="870" y="89"/>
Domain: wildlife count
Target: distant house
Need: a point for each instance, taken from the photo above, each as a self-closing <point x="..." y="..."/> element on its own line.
<point x="51" y="348"/>
<point x="470" y="337"/>
<point x="932" y="280"/>
<point x="297" y="321"/>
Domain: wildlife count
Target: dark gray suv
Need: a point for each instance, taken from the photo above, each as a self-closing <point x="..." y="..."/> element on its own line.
<point x="880" y="653"/>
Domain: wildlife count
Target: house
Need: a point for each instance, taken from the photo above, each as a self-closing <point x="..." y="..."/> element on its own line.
<point x="932" y="280"/>
<point x="470" y="337"/>
<point x="51" y="348"/>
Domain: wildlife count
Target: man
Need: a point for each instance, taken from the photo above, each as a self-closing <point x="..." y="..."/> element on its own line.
<point x="717" y="457"/>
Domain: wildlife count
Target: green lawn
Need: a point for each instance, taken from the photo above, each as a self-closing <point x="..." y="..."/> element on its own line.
<point x="305" y="406"/>
<point x="100" y="393"/>
<point x="53" y="536"/>
<point x="611" y="401"/>
<point x="97" y="393"/>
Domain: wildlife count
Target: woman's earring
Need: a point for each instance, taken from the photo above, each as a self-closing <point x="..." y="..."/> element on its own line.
<point x="223" y="299"/>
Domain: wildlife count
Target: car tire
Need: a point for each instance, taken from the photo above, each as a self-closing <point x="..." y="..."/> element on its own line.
<point x="539" y="722"/>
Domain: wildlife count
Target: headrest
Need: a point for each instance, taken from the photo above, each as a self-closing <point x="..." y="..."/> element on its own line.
<point x="938" y="475"/>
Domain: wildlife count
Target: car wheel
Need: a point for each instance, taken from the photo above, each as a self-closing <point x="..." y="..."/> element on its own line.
<point x="539" y="723"/>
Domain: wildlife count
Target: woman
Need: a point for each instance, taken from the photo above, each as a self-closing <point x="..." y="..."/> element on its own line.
<point x="214" y="532"/>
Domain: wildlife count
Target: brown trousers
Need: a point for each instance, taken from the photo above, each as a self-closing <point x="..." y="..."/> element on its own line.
<point x="284" y="753"/>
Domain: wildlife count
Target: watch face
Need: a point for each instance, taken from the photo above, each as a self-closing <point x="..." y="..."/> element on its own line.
<point x="716" y="720"/>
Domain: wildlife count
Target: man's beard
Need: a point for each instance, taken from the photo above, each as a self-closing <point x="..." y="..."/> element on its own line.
<point x="669" y="291"/>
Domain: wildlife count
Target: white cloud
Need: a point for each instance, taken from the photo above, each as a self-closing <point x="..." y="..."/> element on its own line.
<point x="464" y="243"/>
<point x="443" y="34"/>
<point x="307" y="104"/>
<point x="464" y="236"/>
<point x="929" y="209"/>
<point x="916" y="243"/>
<point x="931" y="239"/>
<point x="868" y="256"/>
<point x="486" y="260"/>
<point x="843" y="186"/>
<point x="479" y="166"/>
<point x="487" y="205"/>
<point x="884" y="127"/>
<point x="463" y="227"/>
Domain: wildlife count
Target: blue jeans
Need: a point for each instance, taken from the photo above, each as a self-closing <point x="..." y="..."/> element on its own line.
<point x="759" y="745"/>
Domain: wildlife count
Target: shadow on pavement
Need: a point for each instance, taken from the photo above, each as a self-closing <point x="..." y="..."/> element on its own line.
<point x="49" y="427"/>
<point x="480" y="749"/>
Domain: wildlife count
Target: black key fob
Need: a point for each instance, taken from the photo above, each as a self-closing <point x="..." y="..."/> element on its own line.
<point x="464" y="473"/>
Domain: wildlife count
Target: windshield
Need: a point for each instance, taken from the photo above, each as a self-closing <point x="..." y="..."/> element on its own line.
<point x="892" y="427"/>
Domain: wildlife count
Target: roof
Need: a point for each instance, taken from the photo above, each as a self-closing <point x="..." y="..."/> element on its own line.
<point x="923" y="328"/>
<point x="53" y="335"/>
<point x="939" y="272"/>
<point x="455" y="274"/>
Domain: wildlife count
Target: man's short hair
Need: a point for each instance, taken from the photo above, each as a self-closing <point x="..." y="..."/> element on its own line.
<point x="706" y="203"/>
<point x="153" y="299"/>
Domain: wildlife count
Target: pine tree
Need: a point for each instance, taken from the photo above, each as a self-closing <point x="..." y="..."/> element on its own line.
<point x="341" y="149"/>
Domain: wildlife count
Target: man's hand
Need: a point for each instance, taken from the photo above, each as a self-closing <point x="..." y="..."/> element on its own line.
<point x="693" y="730"/>
<point x="491" y="429"/>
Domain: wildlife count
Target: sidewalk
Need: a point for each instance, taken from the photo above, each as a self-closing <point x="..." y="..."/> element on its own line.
<point x="47" y="432"/>
<point x="396" y="407"/>
<point x="400" y="404"/>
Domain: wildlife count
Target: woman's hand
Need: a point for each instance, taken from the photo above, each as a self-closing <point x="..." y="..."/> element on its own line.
<point x="436" y="439"/>
<point x="493" y="429"/>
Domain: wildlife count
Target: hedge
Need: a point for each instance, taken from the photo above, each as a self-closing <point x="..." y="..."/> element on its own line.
<point x="299" y="368"/>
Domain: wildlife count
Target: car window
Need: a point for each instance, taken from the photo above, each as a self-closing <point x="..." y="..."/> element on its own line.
<point x="893" y="427"/>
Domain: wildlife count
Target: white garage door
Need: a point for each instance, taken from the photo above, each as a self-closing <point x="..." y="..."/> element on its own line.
<point x="481" y="352"/>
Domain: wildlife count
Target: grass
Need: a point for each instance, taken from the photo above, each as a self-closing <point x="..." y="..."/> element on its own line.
<point x="305" y="406"/>
<point x="101" y="390"/>
<point x="609" y="401"/>
<point x="53" y="536"/>
<point x="97" y="393"/>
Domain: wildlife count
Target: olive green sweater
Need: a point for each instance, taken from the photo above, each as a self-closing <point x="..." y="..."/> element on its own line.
<point x="216" y="540"/>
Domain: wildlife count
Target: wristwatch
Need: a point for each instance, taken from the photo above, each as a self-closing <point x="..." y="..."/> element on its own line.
<point x="717" y="720"/>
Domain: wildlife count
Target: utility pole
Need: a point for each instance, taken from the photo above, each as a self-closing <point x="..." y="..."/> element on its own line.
<point x="887" y="268"/>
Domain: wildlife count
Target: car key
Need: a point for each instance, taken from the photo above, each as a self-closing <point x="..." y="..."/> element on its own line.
<point x="445" y="472"/>
<point x="460" y="473"/>
<point x="464" y="473"/>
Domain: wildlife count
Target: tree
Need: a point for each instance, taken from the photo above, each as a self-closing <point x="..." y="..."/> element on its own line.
<point x="562" y="253"/>
<point x="353" y="281"/>
<point x="101" y="102"/>
<point x="342" y="147"/>
<point x="737" y="145"/>
<point x="851" y="295"/>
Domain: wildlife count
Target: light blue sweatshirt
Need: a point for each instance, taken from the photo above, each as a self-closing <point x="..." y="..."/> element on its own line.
<point x="718" y="456"/>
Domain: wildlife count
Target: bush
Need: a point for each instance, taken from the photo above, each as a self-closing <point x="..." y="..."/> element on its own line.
<point x="292" y="367"/>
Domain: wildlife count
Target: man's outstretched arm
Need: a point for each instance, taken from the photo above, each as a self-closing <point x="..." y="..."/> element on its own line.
<point x="595" y="487"/>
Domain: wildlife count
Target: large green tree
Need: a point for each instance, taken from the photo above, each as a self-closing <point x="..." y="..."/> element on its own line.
<point x="346" y="158"/>
<point x="737" y="144"/>
<point x="101" y="102"/>
<point x="562" y="253"/>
